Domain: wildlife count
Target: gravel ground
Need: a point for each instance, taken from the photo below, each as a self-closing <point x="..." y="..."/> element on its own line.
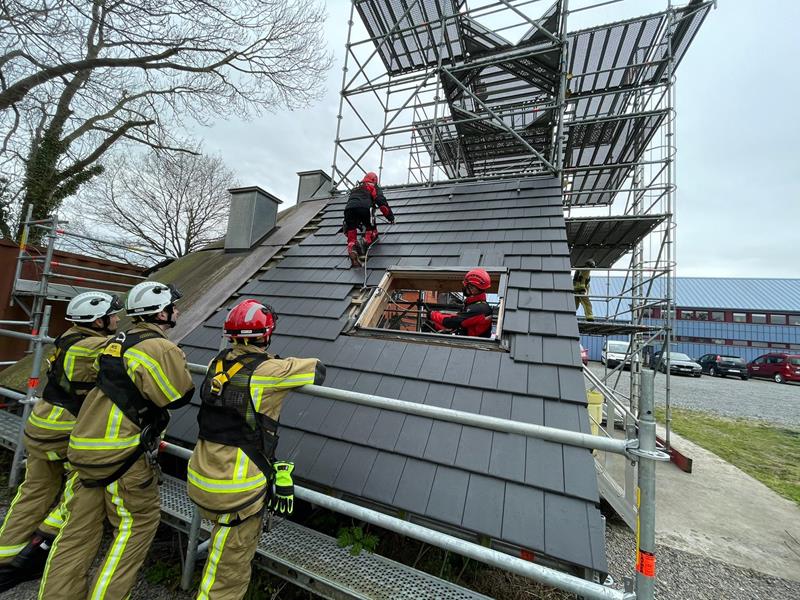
<point x="760" y="399"/>
<point x="680" y="576"/>
<point x="684" y="576"/>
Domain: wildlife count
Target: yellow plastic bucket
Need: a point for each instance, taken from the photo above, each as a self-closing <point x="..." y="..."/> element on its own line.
<point x="595" y="400"/>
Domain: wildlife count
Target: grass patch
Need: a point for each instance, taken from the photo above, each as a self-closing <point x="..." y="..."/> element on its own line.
<point x="767" y="453"/>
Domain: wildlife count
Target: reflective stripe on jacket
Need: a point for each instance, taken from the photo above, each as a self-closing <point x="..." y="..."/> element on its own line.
<point x="103" y="436"/>
<point x="222" y="478"/>
<point x="48" y="428"/>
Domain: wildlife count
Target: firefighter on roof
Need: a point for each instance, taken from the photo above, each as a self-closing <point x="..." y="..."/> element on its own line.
<point x="141" y="376"/>
<point x="28" y="531"/>
<point x="580" y="286"/>
<point x="358" y="215"/>
<point x="475" y="319"/>
<point x="233" y="468"/>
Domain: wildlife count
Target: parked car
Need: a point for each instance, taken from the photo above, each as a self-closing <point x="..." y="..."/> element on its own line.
<point x="614" y="352"/>
<point x="584" y="355"/>
<point x="679" y="364"/>
<point x="720" y="365"/>
<point x="778" y="366"/>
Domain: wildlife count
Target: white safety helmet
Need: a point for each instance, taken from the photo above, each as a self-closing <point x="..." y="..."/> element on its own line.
<point x="90" y="306"/>
<point x="150" y="298"/>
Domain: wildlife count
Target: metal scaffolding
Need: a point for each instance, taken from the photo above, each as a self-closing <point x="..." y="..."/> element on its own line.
<point x="439" y="91"/>
<point x="53" y="282"/>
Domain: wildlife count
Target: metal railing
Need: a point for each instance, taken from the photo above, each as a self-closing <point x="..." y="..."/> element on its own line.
<point x="642" y="450"/>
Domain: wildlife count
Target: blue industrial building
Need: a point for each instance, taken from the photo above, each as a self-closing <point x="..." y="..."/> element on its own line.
<point x="744" y="317"/>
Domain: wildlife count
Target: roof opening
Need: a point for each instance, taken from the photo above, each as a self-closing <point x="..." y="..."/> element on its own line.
<point x="399" y="306"/>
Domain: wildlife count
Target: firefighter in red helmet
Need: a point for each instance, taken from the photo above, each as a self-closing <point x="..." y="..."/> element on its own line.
<point x="358" y="215"/>
<point x="475" y="318"/>
<point x="233" y="474"/>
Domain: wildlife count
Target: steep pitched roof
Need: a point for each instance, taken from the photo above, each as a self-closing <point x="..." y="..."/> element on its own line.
<point x="517" y="491"/>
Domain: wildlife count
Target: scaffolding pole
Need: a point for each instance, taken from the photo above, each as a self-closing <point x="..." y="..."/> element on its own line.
<point x="30" y="396"/>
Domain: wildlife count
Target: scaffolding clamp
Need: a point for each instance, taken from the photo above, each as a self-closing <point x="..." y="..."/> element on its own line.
<point x="633" y="452"/>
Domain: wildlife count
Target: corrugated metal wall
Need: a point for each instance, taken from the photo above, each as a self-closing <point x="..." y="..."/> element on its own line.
<point x="756" y="334"/>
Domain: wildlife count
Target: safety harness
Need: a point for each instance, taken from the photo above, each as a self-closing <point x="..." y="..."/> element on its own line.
<point x="60" y="391"/>
<point x="113" y="379"/>
<point x="228" y="415"/>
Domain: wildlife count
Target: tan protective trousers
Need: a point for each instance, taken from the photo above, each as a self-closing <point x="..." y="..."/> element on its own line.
<point x="36" y="496"/>
<point x="587" y="305"/>
<point x="231" y="549"/>
<point x="132" y="506"/>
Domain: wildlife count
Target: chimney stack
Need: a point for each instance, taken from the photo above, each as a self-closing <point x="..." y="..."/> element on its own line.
<point x="254" y="213"/>
<point x="313" y="185"/>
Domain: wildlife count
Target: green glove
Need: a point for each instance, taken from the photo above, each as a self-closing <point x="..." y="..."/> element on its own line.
<point x="283" y="502"/>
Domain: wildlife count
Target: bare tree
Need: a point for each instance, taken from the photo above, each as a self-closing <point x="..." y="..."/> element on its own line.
<point x="164" y="202"/>
<point x="78" y="78"/>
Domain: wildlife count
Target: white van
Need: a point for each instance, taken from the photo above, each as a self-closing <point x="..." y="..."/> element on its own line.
<point x="614" y="352"/>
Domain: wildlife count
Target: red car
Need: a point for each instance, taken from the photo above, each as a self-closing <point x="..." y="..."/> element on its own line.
<point x="584" y="355"/>
<point x="778" y="366"/>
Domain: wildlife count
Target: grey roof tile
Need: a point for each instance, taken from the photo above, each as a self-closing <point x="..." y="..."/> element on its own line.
<point x="544" y="323"/>
<point x="355" y="469"/>
<point x="443" y="442"/>
<point x="483" y="505"/>
<point x="386" y="430"/>
<point x="485" y="370"/>
<point x="543" y="381"/>
<point x="413" y="436"/>
<point x="329" y="462"/>
<point x="459" y="365"/>
<point x="508" y="456"/>
<point x="361" y="424"/>
<point x="440" y="395"/>
<point x="414" y="487"/>
<point x="447" y="493"/>
<point x="565" y="527"/>
<point x="474" y="449"/>
<point x="524" y="516"/>
<point x="435" y="363"/>
<point x="306" y="452"/>
<point x="573" y="388"/>
<point x="527" y="409"/>
<point x="544" y="464"/>
<point x="530" y="299"/>
<point x="513" y="377"/>
<point x="496" y="404"/>
<point x="527" y="348"/>
<point x="578" y="463"/>
<point x="384" y="477"/>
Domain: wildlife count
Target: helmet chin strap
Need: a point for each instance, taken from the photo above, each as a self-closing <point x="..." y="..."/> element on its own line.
<point x="106" y="327"/>
<point x="169" y="321"/>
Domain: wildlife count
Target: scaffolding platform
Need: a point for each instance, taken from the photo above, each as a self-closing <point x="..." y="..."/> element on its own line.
<point x="303" y="556"/>
<point x="598" y="327"/>
<point x="607" y="239"/>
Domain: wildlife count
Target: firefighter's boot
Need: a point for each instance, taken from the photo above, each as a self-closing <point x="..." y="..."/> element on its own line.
<point x="352" y="247"/>
<point x="28" y="564"/>
<point x="370" y="237"/>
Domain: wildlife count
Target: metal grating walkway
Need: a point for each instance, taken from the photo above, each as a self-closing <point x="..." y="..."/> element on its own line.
<point x="303" y="556"/>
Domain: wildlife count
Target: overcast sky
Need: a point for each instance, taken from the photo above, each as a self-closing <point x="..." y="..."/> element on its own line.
<point x="738" y="170"/>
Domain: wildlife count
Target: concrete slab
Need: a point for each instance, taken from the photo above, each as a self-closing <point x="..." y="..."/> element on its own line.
<point x="720" y="512"/>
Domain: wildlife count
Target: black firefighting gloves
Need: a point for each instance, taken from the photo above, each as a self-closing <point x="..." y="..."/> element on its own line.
<point x="283" y="502"/>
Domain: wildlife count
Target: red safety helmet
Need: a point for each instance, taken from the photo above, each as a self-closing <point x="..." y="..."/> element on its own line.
<point x="479" y="278"/>
<point x="250" y="319"/>
<point x="370" y="178"/>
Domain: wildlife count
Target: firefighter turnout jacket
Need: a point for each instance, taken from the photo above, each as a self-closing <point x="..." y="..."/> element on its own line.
<point x="141" y="375"/>
<point x="230" y="470"/>
<point x="580" y="281"/>
<point x="70" y="377"/>
<point x="367" y="195"/>
<point x="475" y="319"/>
